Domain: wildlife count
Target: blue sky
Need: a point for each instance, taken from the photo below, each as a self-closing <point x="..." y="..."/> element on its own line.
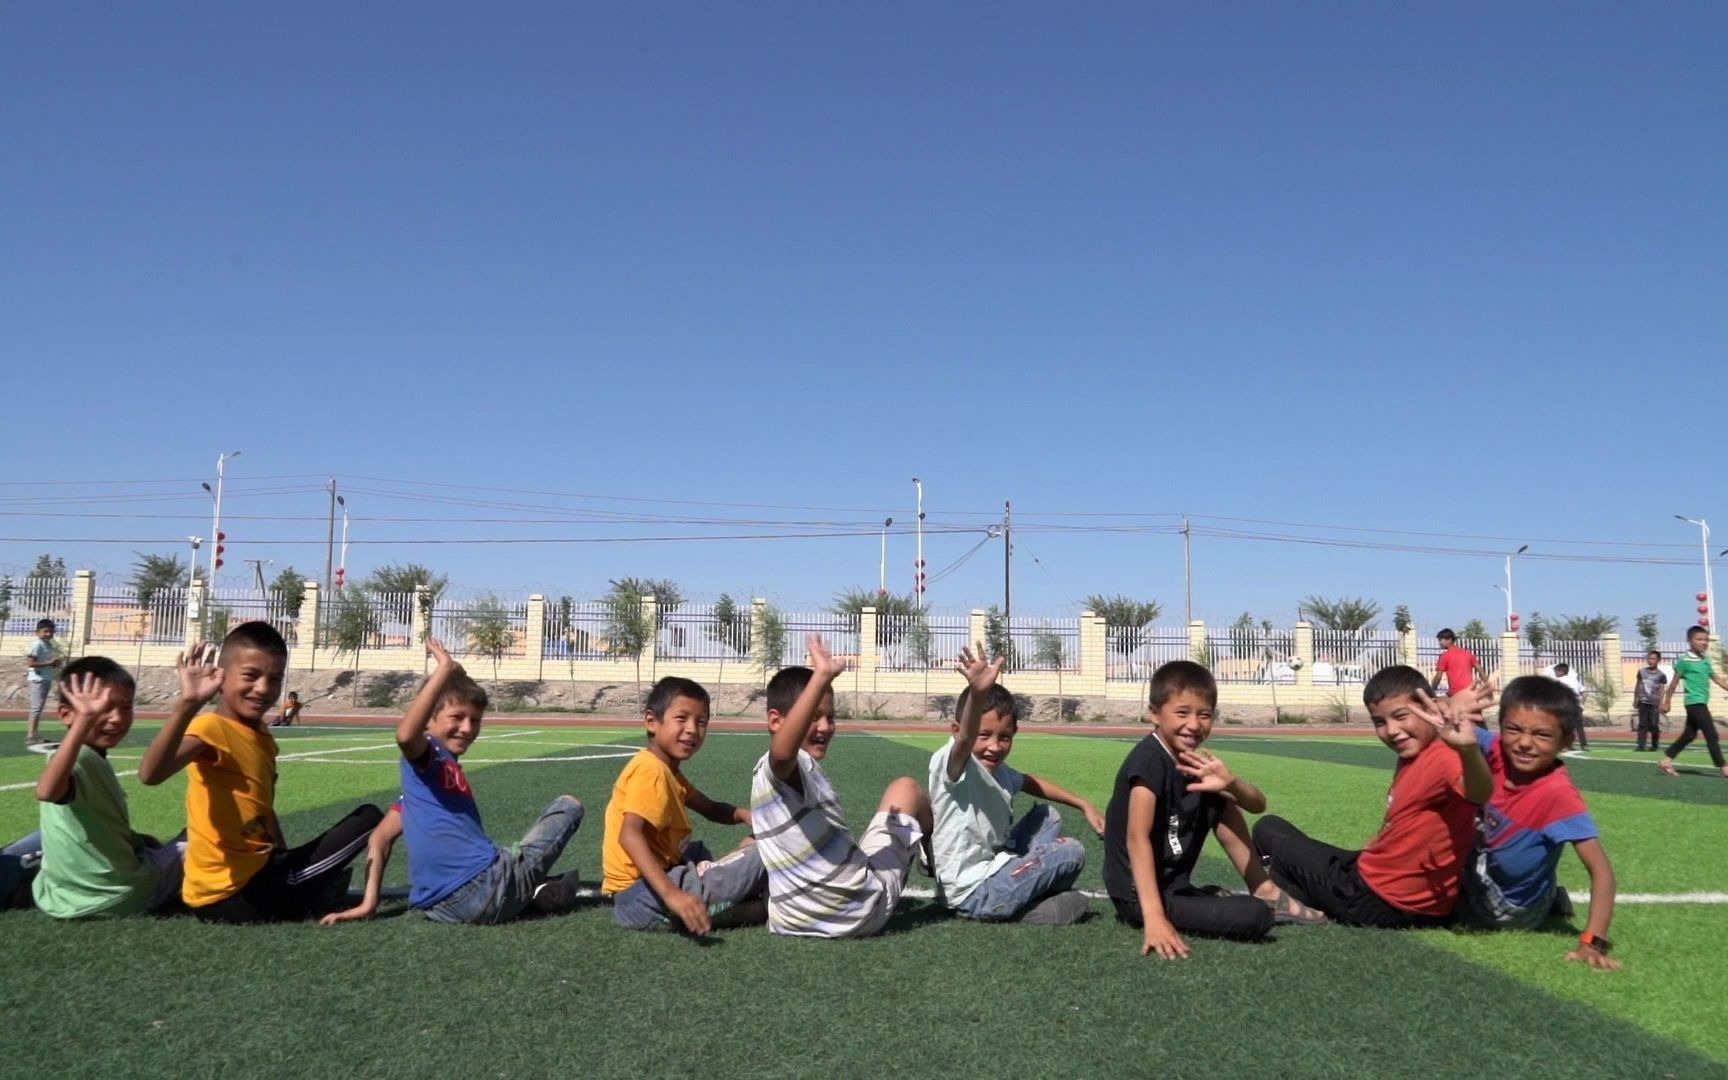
<point x="1453" y="270"/>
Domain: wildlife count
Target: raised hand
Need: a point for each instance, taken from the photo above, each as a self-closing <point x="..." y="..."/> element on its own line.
<point x="89" y="697"/>
<point x="442" y="656"/>
<point x="1455" y="727"/>
<point x="1206" y="769"/>
<point x="981" y="674"/>
<point x="823" y="663"/>
<point x="200" y="678"/>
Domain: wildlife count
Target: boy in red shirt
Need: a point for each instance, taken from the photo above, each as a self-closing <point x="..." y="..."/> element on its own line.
<point x="1457" y="664"/>
<point x="1411" y="872"/>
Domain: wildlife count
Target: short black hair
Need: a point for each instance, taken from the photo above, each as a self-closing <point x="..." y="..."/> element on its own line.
<point x="1563" y="667"/>
<point x="1544" y="695"/>
<point x="1179" y="675"/>
<point x="45" y="624"/>
<point x="254" y="635"/>
<point x="463" y="690"/>
<point x="661" y="696"/>
<point x="1695" y="630"/>
<point x="101" y="667"/>
<point x="1392" y="681"/>
<point x="1657" y="653"/>
<point x="1446" y="635"/>
<point x="785" y="687"/>
<point x="997" y="699"/>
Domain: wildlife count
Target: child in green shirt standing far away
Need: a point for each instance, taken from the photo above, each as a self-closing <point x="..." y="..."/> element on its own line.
<point x="1696" y="673"/>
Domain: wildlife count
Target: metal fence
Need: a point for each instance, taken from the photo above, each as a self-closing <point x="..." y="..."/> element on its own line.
<point x="922" y="642"/>
<point x="1250" y="654"/>
<point x="225" y="609"/>
<point x="377" y="620"/>
<point x="576" y="630"/>
<point x="840" y="632"/>
<point x="1353" y="656"/>
<point x="117" y="615"/>
<point x="705" y="632"/>
<point x="1133" y="653"/>
<point x="1486" y="651"/>
<point x="1583" y="657"/>
<point x="1044" y="644"/>
<point x="26" y="601"/>
<point x="485" y="629"/>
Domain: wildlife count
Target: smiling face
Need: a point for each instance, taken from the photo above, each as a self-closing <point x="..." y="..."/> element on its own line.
<point x="1399" y="726"/>
<point x="1184" y="720"/>
<point x="456" y="724"/>
<point x="995" y="739"/>
<point x="251" y="682"/>
<point x="821" y="731"/>
<point x="1531" y="741"/>
<point x="112" y="726"/>
<point x="679" y="731"/>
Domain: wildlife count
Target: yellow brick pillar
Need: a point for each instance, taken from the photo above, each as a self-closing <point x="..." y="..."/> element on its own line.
<point x="1093" y="659"/>
<point x="196" y="612"/>
<point x="757" y="652"/>
<point x="83" y="610"/>
<point x="1509" y="663"/>
<point x="534" y="648"/>
<point x="651" y="649"/>
<point x="975" y="627"/>
<point x="868" y="662"/>
<point x="1304" y="654"/>
<point x="1197" y="641"/>
<point x="1408" y="650"/>
<point x="305" y="658"/>
<point x="420" y="619"/>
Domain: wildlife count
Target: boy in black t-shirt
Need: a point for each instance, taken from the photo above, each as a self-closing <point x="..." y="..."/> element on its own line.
<point x="1168" y="794"/>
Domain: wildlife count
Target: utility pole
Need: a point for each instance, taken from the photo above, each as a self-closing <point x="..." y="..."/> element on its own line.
<point x="1008" y="564"/>
<point x="1187" y="573"/>
<point x="330" y="539"/>
<point x="918" y="578"/>
<point x="258" y="566"/>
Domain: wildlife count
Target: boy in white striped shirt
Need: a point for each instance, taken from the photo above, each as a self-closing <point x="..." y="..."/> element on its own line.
<point x="821" y="883"/>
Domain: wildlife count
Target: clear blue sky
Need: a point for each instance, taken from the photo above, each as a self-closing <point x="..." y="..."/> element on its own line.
<point x="1449" y="269"/>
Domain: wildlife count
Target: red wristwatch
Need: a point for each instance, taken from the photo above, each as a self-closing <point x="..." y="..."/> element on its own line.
<point x="1595" y="941"/>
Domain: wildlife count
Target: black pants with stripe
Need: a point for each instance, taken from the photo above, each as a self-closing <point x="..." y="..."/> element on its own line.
<point x="1698" y="722"/>
<point x="303" y="882"/>
<point x="1325" y="877"/>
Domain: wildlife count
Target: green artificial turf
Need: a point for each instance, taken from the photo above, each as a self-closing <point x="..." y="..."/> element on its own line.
<point x="574" y="995"/>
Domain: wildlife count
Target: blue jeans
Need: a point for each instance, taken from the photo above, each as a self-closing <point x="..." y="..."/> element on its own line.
<point x="19" y="861"/>
<point x="500" y="892"/>
<point x="721" y="884"/>
<point x="1046" y="863"/>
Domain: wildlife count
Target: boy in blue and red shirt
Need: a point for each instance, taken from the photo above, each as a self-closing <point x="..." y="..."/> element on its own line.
<point x="1534" y="813"/>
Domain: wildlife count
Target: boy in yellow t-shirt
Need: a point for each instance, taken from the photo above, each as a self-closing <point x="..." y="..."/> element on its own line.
<point x="658" y="879"/>
<point x="239" y="867"/>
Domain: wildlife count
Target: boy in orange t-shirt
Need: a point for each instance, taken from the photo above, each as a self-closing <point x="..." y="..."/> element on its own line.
<point x="1411" y="873"/>
<point x="239" y="867"/>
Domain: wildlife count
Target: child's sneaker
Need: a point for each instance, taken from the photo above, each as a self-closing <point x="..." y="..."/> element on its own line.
<point x="557" y="895"/>
<point x="1062" y="909"/>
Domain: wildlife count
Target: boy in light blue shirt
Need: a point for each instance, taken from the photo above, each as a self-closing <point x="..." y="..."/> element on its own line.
<point x="43" y="660"/>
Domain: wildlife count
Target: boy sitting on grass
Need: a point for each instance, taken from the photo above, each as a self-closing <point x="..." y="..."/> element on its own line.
<point x="1411" y="873"/>
<point x="93" y="863"/>
<point x="1169" y="794"/>
<point x="987" y="870"/>
<point x="456" y="874"/>
<point x="820" y="883"/>
<point x="239" y="867"/>
<point x="1535" y="812"/>
<point x="657" y="878"/>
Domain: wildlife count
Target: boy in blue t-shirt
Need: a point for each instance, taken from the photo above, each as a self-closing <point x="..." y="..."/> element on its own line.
<point x="1535" y="811"/>
<point x="456" y="873"/>
<point x="43" y="659"/>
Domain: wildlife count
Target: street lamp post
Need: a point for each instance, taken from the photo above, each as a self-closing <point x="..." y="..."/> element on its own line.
<point x="342" y="500"/>
<point x="216" y="518"/>
<point x="882" y="575"/>
<point x="1510" y="610"/>
<point x="918" y="576"/>
<point x="1709" y="576"/>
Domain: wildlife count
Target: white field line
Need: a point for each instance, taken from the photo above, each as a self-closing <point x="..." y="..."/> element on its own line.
<point x="468" y="760"/>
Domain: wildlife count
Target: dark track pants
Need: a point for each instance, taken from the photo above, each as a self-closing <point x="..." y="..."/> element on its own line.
<point x="1325" y="877"/>
<point x="1698" y="722"/>
<point x="1195" y="911"/>
<point x="1649" y="726"/>
<point x="302" y="882"/>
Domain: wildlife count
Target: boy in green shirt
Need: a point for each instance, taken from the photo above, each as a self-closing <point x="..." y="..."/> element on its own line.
<point x="93" y="863"/>
<point x="1695" y="671"/>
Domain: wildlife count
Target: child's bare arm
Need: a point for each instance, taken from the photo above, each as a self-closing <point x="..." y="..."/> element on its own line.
<point x="783" y="747"/>
<point x="1209" y="773"/>
<point x="1159" y="936"/>
<point x="691" y="911"/>
<point x="1040" y="788"/>
<point x="172" y="749"/>
<point x="411" y="731"/>
<point x="718" y="812"/>
<point x="89" y="697"/>
<point x="980" y="675"/>
<point x="1602" y="890"/>
<point x="378" y="850"/>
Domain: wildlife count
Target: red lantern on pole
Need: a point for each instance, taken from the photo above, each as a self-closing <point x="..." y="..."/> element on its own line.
<point x="1703" y="597"/>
